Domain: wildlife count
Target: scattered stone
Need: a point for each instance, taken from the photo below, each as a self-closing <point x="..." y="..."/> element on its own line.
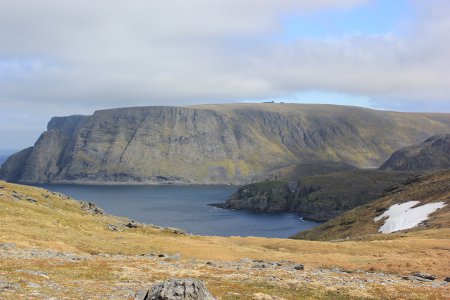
<point x="437" y="284"/>
<point x="4" y="285"/>
<point x="141" y="295"/>
<point x="176" y="256"/>
<point x="7" y="246"/>
<point x="447" y="279"/>
<point x="260" y="265"/>
<point x="424" y="276"/>
<point x="31" y="200"/>
<point x="132" y="224"/>
<point x="113" y="227"/>
<point x="17" y="195"/>
<point x="176" y="230"/>
<point x="90" y="208"/>
<point x="299" y="267"/>
<point x="177" y="289"/>
<point x="33" y="285"/>
<point x="415" y="278"/>
<point x="163" y="255"/>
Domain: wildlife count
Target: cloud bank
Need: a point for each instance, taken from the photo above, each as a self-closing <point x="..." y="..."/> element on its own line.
<point x="61" y="57"/>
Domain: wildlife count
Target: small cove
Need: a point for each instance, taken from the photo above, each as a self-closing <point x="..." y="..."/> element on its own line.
<point x="186" y="207"/>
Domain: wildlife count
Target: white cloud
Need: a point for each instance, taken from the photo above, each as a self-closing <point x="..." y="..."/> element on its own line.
<point x="108" y="53"/>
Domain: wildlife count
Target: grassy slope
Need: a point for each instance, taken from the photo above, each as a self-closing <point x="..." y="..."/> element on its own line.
<point x="57" y="223"/>
<point x="434" y="187"/>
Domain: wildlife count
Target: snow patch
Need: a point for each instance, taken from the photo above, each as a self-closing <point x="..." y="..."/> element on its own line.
<point x="403" y="216"/>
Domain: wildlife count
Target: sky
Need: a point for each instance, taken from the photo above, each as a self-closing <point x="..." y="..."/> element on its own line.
<point x="61" y="57"/>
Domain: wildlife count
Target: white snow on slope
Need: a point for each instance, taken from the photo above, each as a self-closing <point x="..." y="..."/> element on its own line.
<point x="403" y="216"/>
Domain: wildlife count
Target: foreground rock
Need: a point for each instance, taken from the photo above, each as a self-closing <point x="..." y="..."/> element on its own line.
<point x="176" y="289"/>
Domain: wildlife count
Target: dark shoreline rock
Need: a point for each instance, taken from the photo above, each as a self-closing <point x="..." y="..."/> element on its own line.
<point x="316" y="198"/>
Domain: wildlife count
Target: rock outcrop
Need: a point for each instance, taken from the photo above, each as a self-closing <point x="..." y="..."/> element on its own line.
<point x="176" y="289"/>
<point x="315" y="197"/>
<point x="212" y="143"/>
<point x="430" y="155"/>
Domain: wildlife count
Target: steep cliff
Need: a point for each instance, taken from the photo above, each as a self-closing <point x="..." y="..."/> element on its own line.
<point x="213" y="143"/>
<point x="316" y="197"/>
<point x="432" y="154"/>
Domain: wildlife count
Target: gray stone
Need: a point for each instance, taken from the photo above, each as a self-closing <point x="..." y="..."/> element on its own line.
<point x="437" y="284"/>
<point x="424" y="276"/>
<point x="7" y="246"/>
<point x="31" y="200"/>
<point x="5" y="285"/>
<point x="180" y="289"/>
<point x="91" y="208"/>
<point x="132" y="224"/>
<point x="299" y="267"/>
<point x="141" y="295"/>
<point x="113" y="227"/>
<point x="33" y="285"/>
<point x="176" y="256"/>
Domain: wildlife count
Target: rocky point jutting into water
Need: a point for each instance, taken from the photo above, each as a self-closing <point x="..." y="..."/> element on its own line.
<point x="213" y="143"/>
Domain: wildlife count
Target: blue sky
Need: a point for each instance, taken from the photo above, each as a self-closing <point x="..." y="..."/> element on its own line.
<point x="63" y="58"/>
<point x="373" y="17"/>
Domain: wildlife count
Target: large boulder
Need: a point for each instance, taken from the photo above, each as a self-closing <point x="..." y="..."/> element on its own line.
<point x="177" y="289"/>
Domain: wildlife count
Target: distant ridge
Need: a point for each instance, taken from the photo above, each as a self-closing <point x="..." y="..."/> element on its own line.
<point x="213" y="144"/>
<point x="430" y="155"/>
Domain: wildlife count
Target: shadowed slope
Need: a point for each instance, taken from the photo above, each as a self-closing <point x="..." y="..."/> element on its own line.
<point x="213" y="143"/>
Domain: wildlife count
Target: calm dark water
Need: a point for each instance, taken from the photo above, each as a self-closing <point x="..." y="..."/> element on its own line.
<point x="185" y="207"/>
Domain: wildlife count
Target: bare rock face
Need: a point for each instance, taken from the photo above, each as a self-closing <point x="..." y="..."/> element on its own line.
<point x="432" y="154"/>
<point x="177" y="289"/>
<point x="212" y="144"/>
<point x="316" y="197"/>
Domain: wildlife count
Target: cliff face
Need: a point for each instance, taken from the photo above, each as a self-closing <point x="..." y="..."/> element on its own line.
<point x="212" y="143"/>
<point x="432" y="154"/>
<point x="316" y="197"/>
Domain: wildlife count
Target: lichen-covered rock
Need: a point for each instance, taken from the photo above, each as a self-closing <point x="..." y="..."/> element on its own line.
<point x="91" y="208"/>
<point x="177" y="289"/>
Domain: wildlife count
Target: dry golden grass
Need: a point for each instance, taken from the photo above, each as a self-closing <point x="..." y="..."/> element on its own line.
<point x="430" y="188"/>
<point x="59" y="224"/>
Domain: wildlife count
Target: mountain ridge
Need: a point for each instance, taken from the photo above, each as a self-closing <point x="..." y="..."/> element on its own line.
<point x="430" y="155"/>
<point x="212" y="144"/>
